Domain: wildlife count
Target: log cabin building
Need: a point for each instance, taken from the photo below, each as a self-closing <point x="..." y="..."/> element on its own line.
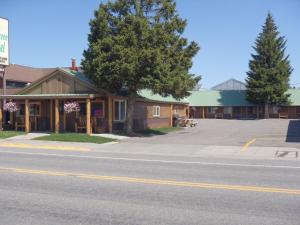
<point x="41" y="94"/>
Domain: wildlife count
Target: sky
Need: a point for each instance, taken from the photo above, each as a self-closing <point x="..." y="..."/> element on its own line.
<point x="49" y="33"/>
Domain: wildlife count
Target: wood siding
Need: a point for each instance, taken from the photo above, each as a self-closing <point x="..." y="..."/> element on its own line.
<point x="143" y="115"/>
<point x="61" y="83"/>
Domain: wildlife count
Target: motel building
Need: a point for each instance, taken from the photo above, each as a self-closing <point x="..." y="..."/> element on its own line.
<point x="41" y="95"/>
<point x="228" y="101"/>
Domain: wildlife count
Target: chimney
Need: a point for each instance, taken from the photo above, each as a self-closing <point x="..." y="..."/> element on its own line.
<point x="74" y="67"/>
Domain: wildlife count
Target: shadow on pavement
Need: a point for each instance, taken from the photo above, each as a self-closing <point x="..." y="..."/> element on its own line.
<point x="293" y="132"/>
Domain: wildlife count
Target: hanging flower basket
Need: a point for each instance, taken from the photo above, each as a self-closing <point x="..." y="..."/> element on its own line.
<point x="10" y="107"/>
<point x="70" y="107"/>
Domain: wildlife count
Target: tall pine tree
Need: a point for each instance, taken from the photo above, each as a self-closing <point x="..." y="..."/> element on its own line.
<point x="138" y="44"/>
<point x="268" y="78"/>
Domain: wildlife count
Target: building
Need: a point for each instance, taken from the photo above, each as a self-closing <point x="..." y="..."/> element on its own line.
<point x="228" y="100"/>
<point x="230" y="85"/>
<point x="41" y="95"/>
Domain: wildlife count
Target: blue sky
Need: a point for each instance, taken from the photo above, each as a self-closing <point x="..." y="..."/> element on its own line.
<point x="49" y="33"/>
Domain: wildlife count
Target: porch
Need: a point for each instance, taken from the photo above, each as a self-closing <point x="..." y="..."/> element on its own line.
<point x="46" y="112"/>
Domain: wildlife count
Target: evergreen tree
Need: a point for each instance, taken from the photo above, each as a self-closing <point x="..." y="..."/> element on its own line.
<point x="138" y="44"/>
<point x="268" y="78"/>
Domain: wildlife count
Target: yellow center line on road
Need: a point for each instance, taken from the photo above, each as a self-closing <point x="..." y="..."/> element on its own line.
<point x="51" y="147"/>
<point x="156" y="181"/>
<point x="246" y="145"/>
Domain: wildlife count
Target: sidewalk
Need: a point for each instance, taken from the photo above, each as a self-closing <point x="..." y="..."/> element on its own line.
<point x="208" y="151"/>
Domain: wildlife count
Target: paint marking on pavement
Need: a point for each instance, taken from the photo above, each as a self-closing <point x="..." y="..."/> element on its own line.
<point x="153" y="160"/>
<point x="53" y="147"/>
<point x="156" y="181"/>
<point x="245" y="147"/>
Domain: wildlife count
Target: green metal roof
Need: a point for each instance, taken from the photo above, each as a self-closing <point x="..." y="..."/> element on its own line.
<point x="218" y="98"/>
<point x="231" y="98"/>
<point x="147" y="94"/>
<point x="294" y="97"/>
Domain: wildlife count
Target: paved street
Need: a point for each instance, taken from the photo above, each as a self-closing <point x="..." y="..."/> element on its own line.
<point x="63" y="187"/>
<point x="178" y="178"/>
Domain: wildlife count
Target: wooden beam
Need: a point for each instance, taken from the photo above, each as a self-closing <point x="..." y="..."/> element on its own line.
<point x="88" y="116"/>
<point x="11" y="118"/>
<point x="1" y="117"/>
<point x="51" y="115"/>
<point x="56" y="116"/>
<point x="110" y="113"/>
<point x="27" y="123"/>
<point x="65" y="119"/>
<point x="171" y="115"/>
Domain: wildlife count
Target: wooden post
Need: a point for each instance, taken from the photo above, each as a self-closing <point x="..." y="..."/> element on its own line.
<point x="56" y="116"/>
<point x="171" y="115"/>
<point x="88" y="116"/>
<point x="51" y="115"/>
<point x="1" y="116"/>
<point x="203" y="113"/>
<point x="27" y="123"/>
<point x="65" y="120"/>
<point x="110" y="114"/>
<point x="11" y="118"/>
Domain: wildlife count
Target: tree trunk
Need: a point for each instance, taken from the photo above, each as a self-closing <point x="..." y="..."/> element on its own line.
<point x="130" y="112"/>
<point x="266" y="110"/>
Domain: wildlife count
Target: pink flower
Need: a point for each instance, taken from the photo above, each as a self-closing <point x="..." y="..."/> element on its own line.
<point x="70" y="107"/>
<point x="10" y="106"/>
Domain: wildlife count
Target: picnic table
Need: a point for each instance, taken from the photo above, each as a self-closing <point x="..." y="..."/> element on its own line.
<point x="188" y="122"/>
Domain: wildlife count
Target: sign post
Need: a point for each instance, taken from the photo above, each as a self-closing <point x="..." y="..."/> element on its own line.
<point x="4" y="56"/>
<point x="4" y="46"/>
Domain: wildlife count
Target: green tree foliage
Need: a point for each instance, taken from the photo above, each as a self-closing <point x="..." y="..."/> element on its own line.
<point x="138" y="44"/>
<point x="268" y="77"/>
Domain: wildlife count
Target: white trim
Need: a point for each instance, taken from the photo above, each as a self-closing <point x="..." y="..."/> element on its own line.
<point x="156" y="111"/>
<point x="119" y="113"/>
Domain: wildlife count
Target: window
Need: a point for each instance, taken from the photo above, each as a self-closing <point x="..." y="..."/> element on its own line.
<point x="156" y="111"/>
<point x="212" y="110"/>
<point x="275" y="109"/>
<point x="120" y="110"/>
<point x="98" y="109"/>
<point x="15" y="84"/>
<point x="176" y="111"/>
<point x="34" y="109"/>
<point x="21" y="111"/>
<point x="227" y="110"/>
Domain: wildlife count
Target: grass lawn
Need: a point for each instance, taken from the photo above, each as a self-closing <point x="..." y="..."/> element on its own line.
<point x="158" y="131"/>
<point x="74" y="137"/>
<point x="10" y="133"/>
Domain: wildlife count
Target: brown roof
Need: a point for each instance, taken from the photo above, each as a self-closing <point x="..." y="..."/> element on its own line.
<point x="10" y="91"/>
<point x="25" y="73"/>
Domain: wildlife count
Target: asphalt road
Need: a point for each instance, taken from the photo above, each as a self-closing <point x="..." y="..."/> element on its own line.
<point x="39" y="187"/>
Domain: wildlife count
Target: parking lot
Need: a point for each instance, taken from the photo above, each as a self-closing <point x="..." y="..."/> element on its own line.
<point x="266" y="133"/>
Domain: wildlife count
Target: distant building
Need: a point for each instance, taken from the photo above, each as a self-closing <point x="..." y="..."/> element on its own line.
<point x="230" y="85"/>
<point x="228" y="100"/>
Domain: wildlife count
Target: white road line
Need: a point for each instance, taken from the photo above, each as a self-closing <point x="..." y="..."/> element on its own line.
<point x="154" y="160"/>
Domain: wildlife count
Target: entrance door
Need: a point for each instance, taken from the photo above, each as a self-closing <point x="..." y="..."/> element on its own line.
<point x="97" y="117"/>
<point x="35" y="116"/>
